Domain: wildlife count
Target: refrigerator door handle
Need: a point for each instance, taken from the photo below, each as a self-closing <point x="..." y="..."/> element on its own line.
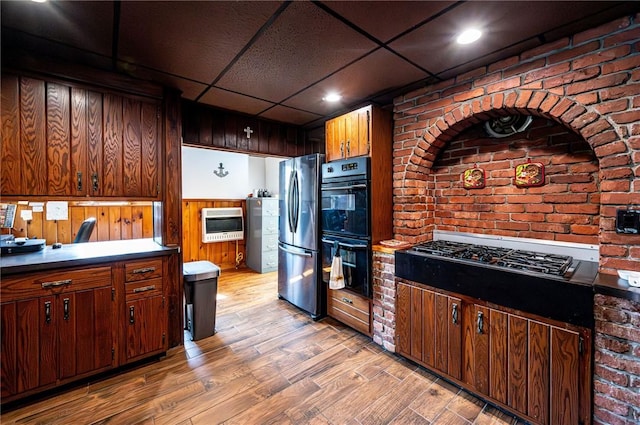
<point x="290" y="203"/>
<point x="296" y="202"/>
<point x="295" y="252"/>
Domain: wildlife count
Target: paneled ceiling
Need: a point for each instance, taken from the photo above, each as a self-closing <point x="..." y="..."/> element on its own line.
<point x="277" y="60"/>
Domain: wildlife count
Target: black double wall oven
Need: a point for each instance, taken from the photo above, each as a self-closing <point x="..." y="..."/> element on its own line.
<point x="346" y="226"/>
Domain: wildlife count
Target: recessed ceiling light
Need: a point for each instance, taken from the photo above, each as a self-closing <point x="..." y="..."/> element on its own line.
<point x="468" y="36"/>
<point x="332" y="97"/>
<point x="39" y="1"/>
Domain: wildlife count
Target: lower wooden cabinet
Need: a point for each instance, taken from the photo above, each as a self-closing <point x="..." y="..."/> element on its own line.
<point x="59" y="326"/>
<point x="351" y="309"/>
<point x="145" y="318"/>
<point x="55" y="327"/>
<point x="538" y="369"/>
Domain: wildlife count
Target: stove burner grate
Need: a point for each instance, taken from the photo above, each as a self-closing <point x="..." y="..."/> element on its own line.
<point x="538" y="262"/>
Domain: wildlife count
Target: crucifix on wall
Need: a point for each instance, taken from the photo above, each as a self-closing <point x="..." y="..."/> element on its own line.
<point x="248" y="131"/>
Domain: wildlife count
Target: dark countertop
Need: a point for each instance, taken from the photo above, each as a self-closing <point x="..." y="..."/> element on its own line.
<point x="611" y="285"/>
<point x="82" y="254"/>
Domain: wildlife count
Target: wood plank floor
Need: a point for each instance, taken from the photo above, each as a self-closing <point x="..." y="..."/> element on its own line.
<point x="268" y="363"/>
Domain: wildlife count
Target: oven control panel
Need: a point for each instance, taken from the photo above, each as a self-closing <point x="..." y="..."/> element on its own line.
<point x="346" y="168"/>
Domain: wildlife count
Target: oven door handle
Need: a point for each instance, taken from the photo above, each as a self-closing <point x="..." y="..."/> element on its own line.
<point x="347" y="245"/>
<point x="355" y="186"/>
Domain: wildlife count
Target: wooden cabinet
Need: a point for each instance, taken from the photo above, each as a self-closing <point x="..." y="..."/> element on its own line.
<point x="63" y="140"/>
<point x="55" y="327"/>
<point x="536" y="368"/>
<point x="350" y="135"/>
<point x="430" y="325"/>
<point x="262" y="234"/>
<point x="351" y="309"/>
<point x="145" y="318"/>
<point x="367" y="132"/>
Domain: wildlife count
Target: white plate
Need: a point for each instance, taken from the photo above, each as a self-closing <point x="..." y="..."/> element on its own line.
<point x="624" y="274"/>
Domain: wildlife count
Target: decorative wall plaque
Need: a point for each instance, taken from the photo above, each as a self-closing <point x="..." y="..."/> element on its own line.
<point x="473" y="178"/>
<point x="529" y="174"/>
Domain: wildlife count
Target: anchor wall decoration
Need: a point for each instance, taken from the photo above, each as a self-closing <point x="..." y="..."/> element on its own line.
<point x="220" y="172"/>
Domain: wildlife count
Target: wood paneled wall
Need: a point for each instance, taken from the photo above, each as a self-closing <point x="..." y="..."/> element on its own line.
<point x="210" y="127"/>
<point x="133" y="221"/>
<point x="222" y="254"/>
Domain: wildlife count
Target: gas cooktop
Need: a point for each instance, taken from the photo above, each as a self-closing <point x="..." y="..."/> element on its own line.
<point x="550" y="264"/>
<point x="551" y="285"/>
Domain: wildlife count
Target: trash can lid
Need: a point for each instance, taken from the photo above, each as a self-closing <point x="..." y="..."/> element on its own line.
<point x="199" y="270"/>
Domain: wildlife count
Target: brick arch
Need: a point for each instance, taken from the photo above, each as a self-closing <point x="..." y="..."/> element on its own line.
<point x="413" y="166"/>
<point x="593" y="127"/>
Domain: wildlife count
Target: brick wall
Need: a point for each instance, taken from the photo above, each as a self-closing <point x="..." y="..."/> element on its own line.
<point x="589" y="83"/>
<point x="617" y="365"/>
<point x="384" y="300"/>
<point x="565" y="209"/>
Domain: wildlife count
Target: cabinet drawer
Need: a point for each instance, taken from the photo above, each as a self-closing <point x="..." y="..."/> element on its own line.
<point x="351" y="309"/>
<point x="143" y="289"/>
<point x="270" y="261"/>
<point x="40" y="284"/>
<point x="145" y="269"/>
<point x="270" y="225"/>
<point x="270" y="207"/>
<point x="270" y="243"/>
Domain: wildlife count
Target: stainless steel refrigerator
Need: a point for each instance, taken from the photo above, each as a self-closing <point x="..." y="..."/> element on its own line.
<point x="299" y="277"/>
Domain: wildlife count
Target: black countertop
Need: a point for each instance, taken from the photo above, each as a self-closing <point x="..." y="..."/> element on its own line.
<point x="606" y="284"/>
<point x="82" y="254"/>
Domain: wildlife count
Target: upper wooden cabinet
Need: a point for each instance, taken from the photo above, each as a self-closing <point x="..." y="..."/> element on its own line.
<point x="62" y="140"/>
<point x="364" y="131"/>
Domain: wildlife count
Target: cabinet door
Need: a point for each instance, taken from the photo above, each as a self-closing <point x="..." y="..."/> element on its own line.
<point x="359" y="132"/>
<point x="20" y="346"/>
<point x="565" y="377"/>
<point x="403" y="319"/>
<point x="85" y="331"/>
<point x="333" y="142"/>
<point x="146" y="326"/>
<point x="477" y="334"/>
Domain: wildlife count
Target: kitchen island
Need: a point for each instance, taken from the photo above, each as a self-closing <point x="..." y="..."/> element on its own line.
<point x="79" y="310"/>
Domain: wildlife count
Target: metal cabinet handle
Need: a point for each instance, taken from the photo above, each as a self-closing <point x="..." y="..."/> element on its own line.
<point x="454" y="314"/>
<point x="94" y="181"/>
<point x="132" y="315"/>
<point x="47" y="311"/>
<point x="144" y="270"/>
<point x="56" y="283"/>
<point x="347" y="300"/>
<point x="144" y="289"/>
<point x="65" y="308"/>
<point x="342" y="149"/>
<point x="79" y="181"/>
<point x="480" y="322"/>
<point x="368" y="134"/>
<point x="348" y="146"/>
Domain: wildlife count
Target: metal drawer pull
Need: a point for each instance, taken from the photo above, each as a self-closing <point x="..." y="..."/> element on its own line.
<point x="480" y="322"/>
<point x="144" y="289"/>
<point x="347" y="300"/>
<point x="132" y="315"/>
<point x="55" y="283"/>
<point x="47" y="311"/>
<point x="65" y="308"/>
<point x="144" y="270"/>
<point x="454" y="314"/>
